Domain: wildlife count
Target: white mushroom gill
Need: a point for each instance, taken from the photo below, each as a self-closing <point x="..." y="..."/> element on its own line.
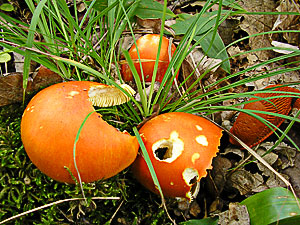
<point x="105" y="96"/>
<point x="168" y="150"/>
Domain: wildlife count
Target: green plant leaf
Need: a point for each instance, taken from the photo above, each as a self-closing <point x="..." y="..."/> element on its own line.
<point x="150" y="9"/>
<point x="217" y="49"/>
<point x="204" y="35"/>
<point x="101" y="5"/>
<point x="232" y="3"/>
<point x="206" y="221"/>
<point x="184" y="21"/>
<point x="7" y="7"/>
<point x="273" y="206"/>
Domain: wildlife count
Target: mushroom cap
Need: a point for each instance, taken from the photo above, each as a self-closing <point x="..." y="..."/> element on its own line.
<point x="252" y="131"/>
<point x="148" y="46"/>
<point x="49" y="127"/>
<point x="181" y="147"/>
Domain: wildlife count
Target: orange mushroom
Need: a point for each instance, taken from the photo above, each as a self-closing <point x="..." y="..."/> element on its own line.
<point x="147" y="47"/>
<point x="50" y="124"/>
<point x="252" y="131"/>
<point x="181" y="147"/>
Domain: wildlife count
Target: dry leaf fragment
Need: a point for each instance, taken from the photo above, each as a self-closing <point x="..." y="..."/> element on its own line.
<point x="236" y="215"/>
<point x="43" y="78"/>
<point x="244" y="181"/>
<point x="288" y="22"/>
<point x="11" y="85"/>
<point x="11" y="88"/>
<point x="254" y="24"/>
<point x="283" y="45"/>
<point x="153" y="24"/>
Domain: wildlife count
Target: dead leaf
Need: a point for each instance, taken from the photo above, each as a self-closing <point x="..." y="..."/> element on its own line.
<point x="236" y="215"/>
<point x="288" y="22"/>
<point x="153" y="24"/>
<point x="11" y="90"/>
<point x="270" y="158"/>
<point x="293" y="173"/>
<point x="11" y="85"/>
<point x="43" y="78"/>
<point x="244" y="181"/>
<point x="283" y="45"/>
<point x="254" y="24"/>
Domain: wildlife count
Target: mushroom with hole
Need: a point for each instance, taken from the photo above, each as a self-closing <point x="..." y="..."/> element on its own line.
<point x="52" y="120"/>
<point x="252" y="131"/>
<point x="147" y="46"/>
<point x="181" y="147"/>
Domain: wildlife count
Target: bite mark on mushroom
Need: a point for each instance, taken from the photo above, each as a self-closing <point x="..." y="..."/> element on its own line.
<point x="202" y="140"/>
<point x="191" y="178"/>
<point x="168" y="150"/>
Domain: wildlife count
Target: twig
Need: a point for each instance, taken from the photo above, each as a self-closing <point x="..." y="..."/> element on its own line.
<point x="55" y="203"/>
<point x="115" y="213"/>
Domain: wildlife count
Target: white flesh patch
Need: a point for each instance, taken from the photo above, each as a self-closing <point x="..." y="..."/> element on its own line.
<point x="198" y="127"/>
<point x="195" y="156"/>
<point x="71" y="94"/>
<point x="202" y="140"/>
<point x="173" y="148"/>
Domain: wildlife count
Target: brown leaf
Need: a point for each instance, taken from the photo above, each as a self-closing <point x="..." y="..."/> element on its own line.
<point x="293" y="173"/>
<point x="288" y="22"/>
<point x="45" y="77"/>
<point x="254" y="24"/>
<point x="11" y="86"/>
<point x="153" y="24"/>
<point x="11" y="90"/>
<point x="236" y="215"/>
<point x="244" y="181"/>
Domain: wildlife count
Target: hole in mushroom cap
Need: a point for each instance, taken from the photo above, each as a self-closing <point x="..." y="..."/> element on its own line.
<point x="168" y="150"/>
<point x="164" y="152"/>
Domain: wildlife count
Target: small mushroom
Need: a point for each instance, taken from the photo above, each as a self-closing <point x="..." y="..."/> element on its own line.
<point x="147" y="46"/>
<point x="181" y="147"/>
<point x="252" y="131"/>
<point x="52" y="120"/>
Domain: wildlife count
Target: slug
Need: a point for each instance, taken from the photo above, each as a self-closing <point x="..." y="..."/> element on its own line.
<point x="252" y="131"/>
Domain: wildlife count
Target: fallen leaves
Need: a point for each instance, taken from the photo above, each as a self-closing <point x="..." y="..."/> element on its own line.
<point x="255" y="24"/>
<point x="11" y="85"/>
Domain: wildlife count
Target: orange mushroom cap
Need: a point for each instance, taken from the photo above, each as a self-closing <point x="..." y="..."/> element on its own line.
<point x="181" y="147"/>
<point x="50" y="124"/>
<point x="252" y="131"/>
<point x="148" y="46"/>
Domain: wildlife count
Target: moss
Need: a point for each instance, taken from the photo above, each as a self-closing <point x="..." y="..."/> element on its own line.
<point x="24" y="187"/>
